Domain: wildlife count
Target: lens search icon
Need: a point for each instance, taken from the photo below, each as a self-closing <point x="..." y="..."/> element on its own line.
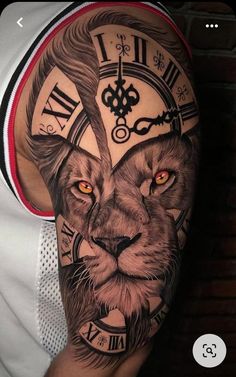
<point x="209" y="350"/>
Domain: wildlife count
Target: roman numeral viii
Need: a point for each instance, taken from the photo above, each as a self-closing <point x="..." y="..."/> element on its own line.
<point x="67" y="231"/>
<point x="66" y="105"/>
<point x="171" y="74"/>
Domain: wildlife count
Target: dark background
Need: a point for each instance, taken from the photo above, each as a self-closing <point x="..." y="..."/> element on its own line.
<point x="206" y="297"/>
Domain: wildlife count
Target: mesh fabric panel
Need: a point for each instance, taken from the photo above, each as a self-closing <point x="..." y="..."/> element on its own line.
<point x="51" y="319"/>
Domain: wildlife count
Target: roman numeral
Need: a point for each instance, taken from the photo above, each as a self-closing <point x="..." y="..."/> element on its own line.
<point x="66" y="254"/>
<point x="171" y="74"/>
<point x="66" y="103"/>
<point x="188" y="111"/>
<point x="67" y="231"/>
<point x="102" y="48"/>
<point x="140" y="50"/>
<point x="159" y="318"/>
<point x="92" y="333"/>
<point x="116" y="342"/>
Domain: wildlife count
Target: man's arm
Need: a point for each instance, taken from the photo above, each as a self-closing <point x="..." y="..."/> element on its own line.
<point x="113" y="130"/>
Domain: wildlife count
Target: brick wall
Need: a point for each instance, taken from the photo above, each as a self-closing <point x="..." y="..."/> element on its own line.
<point x="206" y="297"/>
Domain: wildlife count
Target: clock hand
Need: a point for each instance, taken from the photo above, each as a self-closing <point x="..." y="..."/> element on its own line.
<point x="120" y="100"/>
<point x="165" y="117"/>
<point x="121" y="132"/>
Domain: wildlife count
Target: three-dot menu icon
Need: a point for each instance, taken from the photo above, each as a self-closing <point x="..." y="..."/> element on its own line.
<point x="212" y="26"/>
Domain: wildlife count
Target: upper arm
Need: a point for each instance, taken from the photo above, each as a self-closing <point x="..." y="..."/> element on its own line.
<point x="113" y="129"/>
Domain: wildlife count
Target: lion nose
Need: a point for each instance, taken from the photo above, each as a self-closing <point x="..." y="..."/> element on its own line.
<point x="116" y="245"/>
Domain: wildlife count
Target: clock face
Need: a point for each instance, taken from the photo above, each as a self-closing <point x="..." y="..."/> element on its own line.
<point x="143" y="91"/>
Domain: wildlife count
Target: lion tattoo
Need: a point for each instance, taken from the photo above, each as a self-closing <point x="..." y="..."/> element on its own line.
<point x="118" y="232"/>
<point x="127" y="222"/>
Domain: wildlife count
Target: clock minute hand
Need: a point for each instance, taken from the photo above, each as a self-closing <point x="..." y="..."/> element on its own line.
<point x="165" y="117"/>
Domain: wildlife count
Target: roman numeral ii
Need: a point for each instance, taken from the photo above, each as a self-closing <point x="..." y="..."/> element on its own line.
<point x="140" y="50"/>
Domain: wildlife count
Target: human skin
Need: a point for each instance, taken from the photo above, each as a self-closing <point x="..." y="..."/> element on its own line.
<point x="110" y="143"/>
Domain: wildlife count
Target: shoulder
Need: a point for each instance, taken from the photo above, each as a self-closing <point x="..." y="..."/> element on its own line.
<point x="72" y="74"/>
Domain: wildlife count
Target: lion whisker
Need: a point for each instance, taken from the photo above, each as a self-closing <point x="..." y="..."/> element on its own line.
<point x="150" y="276"/>
<point x="77" y="270"/>
<point x="85" y="280"/>
<point x="84" y="275"/>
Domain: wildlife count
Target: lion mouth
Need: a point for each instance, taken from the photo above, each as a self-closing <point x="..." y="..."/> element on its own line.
<point x="122" y="276"/>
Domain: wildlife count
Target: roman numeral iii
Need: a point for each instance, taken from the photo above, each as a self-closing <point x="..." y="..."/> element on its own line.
<point x="171" y="74"/>
<point x="188" y="111"/>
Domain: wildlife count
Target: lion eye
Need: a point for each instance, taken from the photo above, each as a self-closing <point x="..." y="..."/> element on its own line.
<point x="162" y="177"/>
<point x="84" y="187"/>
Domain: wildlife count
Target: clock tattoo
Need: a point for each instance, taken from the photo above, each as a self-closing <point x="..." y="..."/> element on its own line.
<point x="113" y="128"/>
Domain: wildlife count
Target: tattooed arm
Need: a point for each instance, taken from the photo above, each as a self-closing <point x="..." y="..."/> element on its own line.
<point x="113" y="129"/>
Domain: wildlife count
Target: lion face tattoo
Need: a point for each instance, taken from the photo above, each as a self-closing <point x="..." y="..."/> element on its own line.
<point x="114" y="133"/>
